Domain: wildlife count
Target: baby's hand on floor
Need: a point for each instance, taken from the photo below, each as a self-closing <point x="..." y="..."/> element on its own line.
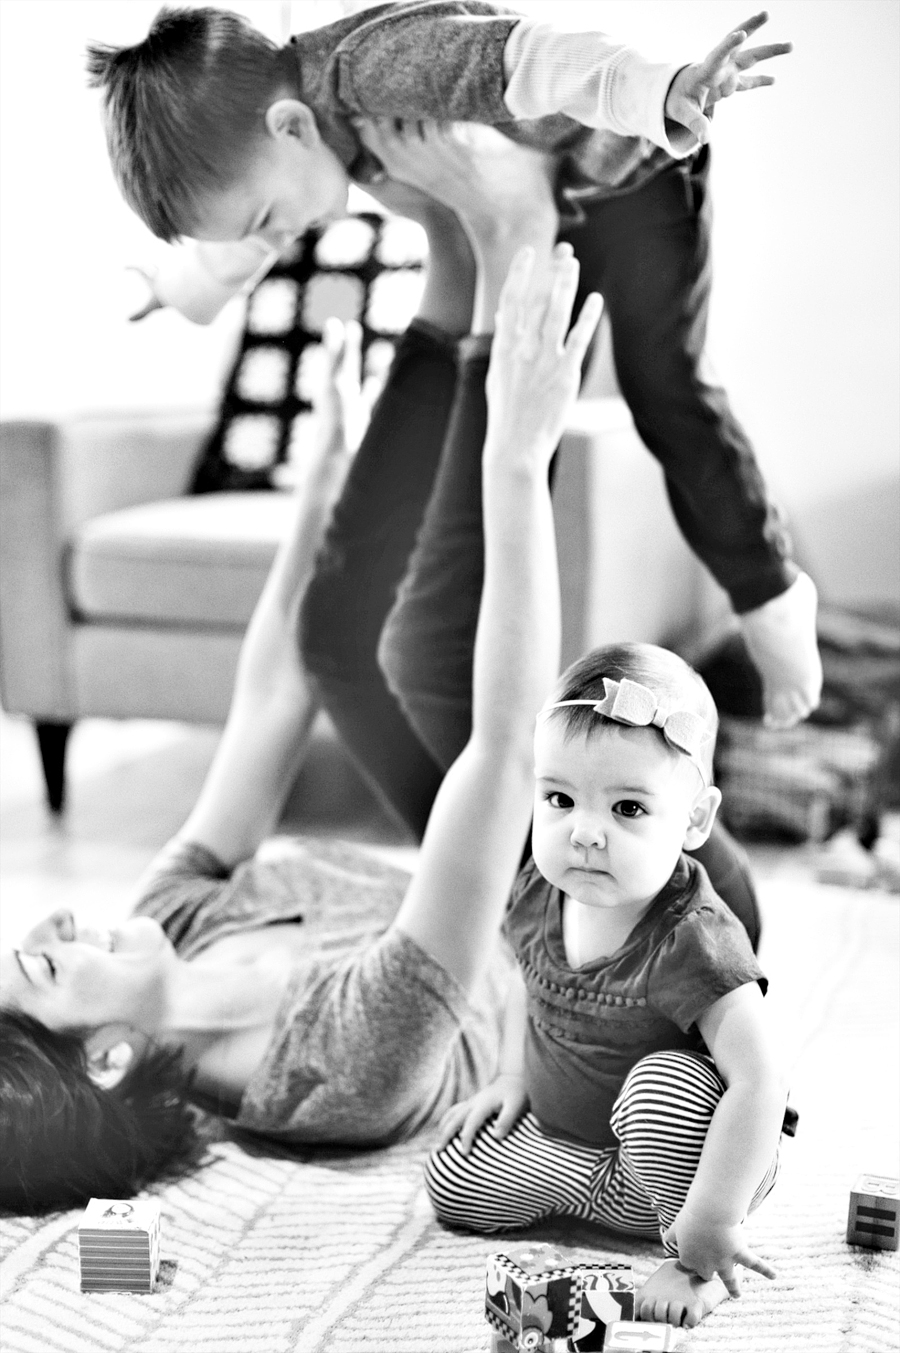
<point x="505" y="1100"/>
<point x="710" y="1249"/>
<point x="781" y="640"/>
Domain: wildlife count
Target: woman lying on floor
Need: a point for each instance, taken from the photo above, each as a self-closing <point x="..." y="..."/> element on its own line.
<point x="261" y="988"/>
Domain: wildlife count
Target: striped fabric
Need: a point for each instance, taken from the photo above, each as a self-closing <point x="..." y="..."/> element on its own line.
<point x="661" y="1119"/>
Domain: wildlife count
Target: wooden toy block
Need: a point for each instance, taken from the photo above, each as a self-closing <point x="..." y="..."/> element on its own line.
<point x="639" y="1336"/>
<point x="541" y="1302"/>
<point x="874" y="1216"/>
<point x="118" y="1245"/>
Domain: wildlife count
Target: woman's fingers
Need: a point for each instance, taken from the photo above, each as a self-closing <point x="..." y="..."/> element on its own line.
<point x="513" y="296"/>
<point x="564" y="284"/>
<point x="585" y="327"/>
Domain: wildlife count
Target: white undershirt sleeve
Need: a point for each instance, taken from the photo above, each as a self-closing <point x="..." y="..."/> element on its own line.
<point x="593" y="79"/>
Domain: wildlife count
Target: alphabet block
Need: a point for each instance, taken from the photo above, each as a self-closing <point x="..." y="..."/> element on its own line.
<point x="537" y="1301"/>
<point x="118" y="1245"/>
<point x="874" y="1216"/>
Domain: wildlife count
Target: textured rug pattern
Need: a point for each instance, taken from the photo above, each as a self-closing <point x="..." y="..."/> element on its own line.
<point x="341" y="1253"/>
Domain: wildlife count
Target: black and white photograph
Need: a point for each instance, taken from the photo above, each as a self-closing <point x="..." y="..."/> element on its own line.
<point x="449" y="676"/>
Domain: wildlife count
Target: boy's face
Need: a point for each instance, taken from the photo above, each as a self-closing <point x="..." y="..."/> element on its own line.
<point x="613" y="810"/>
<point x="293" y="181"/>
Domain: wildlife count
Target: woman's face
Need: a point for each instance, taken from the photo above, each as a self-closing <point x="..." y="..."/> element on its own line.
<point x="75" y="979"/>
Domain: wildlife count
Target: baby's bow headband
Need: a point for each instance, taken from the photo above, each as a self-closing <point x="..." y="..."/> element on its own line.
<point x="630" y="702"/>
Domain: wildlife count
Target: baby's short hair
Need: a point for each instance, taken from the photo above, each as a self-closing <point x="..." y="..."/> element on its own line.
<point x="674" y="683"/>
<point x="183" y="107"/>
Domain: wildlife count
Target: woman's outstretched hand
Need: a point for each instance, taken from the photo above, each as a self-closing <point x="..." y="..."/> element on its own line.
<point x="536" y="359"/>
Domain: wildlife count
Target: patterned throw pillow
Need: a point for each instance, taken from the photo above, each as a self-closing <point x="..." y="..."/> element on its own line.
<point x="365" y="267"/>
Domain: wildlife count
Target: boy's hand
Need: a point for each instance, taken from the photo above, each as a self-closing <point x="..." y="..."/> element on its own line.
<point x="153" y="302"/>
<point x="709" y="1248"/>
<point x="506" y="1098"/>
<point x="725" y="71"/>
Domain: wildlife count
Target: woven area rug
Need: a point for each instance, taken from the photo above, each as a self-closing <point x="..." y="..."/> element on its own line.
<point x="340" y="1252"/>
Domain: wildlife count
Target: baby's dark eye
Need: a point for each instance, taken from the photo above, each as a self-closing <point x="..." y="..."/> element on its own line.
<point x="558" y="800"/>
<point x="628" y="808"/>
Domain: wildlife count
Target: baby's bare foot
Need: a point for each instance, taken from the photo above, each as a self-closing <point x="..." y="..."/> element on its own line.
<point x="675" y="1296"/>
<point x="781" y="640"/>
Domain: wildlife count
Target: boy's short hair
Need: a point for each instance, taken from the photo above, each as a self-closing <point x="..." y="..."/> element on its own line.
<point x="671" y="679"/>
<point x="64" y="1140"/>
<point x="183" y="107"/>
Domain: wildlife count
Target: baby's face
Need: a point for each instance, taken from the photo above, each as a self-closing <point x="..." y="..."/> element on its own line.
<point x="612" y="812"/>
<point x="287" y="187"/>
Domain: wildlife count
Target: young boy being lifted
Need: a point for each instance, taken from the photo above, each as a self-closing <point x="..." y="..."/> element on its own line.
<point x="219" y="136"/>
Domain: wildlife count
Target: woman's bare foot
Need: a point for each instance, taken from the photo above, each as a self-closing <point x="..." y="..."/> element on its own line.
<point x="502" y="192"/>
<point x="675" y="1296"/>
<point x="781" y="640"/>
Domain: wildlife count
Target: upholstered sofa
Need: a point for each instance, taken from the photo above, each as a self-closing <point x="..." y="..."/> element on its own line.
<point x="122" y="595"/>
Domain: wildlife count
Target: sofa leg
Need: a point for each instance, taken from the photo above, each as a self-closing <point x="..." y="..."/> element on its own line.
<point x="52" y="739"/>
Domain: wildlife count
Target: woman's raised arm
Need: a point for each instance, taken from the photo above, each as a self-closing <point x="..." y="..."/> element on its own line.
<point x="474" y="838"/>
<point x="272" y="707"/>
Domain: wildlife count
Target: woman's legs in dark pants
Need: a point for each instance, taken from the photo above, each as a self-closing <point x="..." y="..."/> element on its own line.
<point x="364" y="557"/>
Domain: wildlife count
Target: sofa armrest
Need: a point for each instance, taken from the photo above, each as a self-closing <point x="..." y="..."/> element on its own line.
<point x="112" y="461"/>
<point x="35" y="673"/>
<point x="53" y="477"/>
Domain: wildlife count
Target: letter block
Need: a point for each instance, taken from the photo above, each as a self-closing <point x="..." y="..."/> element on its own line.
<point x="640" y="1336"/>
<point x="118" y="1245"/>
<point x="538" y="1301"/>
<point x="874" y="1212"/>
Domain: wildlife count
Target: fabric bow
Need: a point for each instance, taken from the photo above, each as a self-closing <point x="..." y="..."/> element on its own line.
<point x="632" y="703"/>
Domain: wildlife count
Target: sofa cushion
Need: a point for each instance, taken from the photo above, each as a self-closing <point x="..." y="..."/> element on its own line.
<point x="186" y="561"/>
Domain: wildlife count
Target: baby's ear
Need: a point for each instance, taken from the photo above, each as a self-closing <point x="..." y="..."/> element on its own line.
<point x="110" y="1055"/>
<point x="703" y="815"/>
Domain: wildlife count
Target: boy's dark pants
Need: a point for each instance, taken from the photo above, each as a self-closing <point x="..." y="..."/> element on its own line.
<point x="396" y="675"/>
<point x="648" y="253"/>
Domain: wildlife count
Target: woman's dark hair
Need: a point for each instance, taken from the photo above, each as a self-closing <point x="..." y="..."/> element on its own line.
<point x="64" y="1140"/>
<point x="182" y="109"/>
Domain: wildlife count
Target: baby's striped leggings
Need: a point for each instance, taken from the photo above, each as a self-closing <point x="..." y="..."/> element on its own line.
<point x="660" y="1118"/>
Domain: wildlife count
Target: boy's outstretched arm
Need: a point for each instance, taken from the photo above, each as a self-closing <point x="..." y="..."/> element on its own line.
<point x="728" y="69"/>
<point x="472" y="845"/>
<point x="273" y="706"/>
<point x="608" y="85"/>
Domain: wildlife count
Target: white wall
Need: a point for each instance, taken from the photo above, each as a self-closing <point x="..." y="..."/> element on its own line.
<point x="66" y="237"/>
<point x="805" y="320"/>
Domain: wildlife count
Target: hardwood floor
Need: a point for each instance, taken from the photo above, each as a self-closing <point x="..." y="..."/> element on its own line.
<point x="131" y="784"/>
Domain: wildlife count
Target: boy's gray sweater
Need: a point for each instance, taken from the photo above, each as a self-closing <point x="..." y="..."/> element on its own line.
<point x="461" y="61"/>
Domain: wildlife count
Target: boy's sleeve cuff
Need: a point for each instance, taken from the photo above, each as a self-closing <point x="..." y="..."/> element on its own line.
<point x="594" y="80"/>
